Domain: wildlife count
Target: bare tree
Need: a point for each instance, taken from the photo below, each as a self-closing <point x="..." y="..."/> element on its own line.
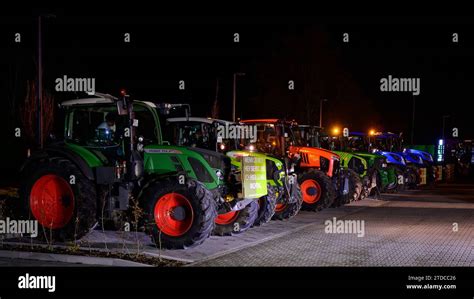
<point x="28" y="114"/>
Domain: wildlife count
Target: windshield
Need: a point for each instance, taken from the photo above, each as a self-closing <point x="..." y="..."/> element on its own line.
<point x="199" y="134"/>
<point x="306" y="136"/>
<point x="95" y="126"/>
<point x="268" y="138"/>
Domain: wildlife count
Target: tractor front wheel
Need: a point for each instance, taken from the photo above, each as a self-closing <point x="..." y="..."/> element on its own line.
<point x="266" y="207"/>
<point x="354" y="191"/>
<point x="236" y="222"/>
<point x="178" y="216"/>
<point x="290" y="206"/>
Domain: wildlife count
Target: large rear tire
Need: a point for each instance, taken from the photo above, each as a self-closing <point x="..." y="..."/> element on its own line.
<point x="236" y="222"/>
<point x="317" y="189"/>
<point x="178" y="216"/>
<point x="60" y="198"/>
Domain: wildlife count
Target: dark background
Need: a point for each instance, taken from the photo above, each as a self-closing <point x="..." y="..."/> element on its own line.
<point x="272" y="50"/>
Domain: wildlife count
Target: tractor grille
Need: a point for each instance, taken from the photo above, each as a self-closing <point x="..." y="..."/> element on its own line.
<point x="356" y="165"/>
<point x="200" y="170"/>
<point x="304" y="157"/>
<point x="324" y="164"/>
<point x="336" y="168"/>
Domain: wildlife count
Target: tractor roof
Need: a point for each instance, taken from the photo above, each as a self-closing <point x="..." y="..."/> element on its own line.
<point x="207" y="120"/>
<point x="357" y="134"/>
<point x="269" y="121"/>
<point x="311" y="126"/>
<point x="87" y="101"/>
<point x="98" y="98"/>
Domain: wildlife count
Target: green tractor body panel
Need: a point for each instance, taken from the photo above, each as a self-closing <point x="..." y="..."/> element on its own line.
<point x="346" y="159"/>
<point x="163" y="159"/>
<point x="90" y="158"/>
<point x="386" y="175"/>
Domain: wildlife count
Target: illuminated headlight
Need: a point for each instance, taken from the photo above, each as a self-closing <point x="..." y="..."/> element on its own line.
<point x="251" y="147"/>
<point x="222" y="146"/>
<point x="384" y="165"/>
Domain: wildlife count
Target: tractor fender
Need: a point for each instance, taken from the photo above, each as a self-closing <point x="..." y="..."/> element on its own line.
<point x="59" y="151"/>
<point x="152" y="178"/>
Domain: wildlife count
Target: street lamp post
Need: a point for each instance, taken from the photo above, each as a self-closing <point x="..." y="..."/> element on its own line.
<point x="321" y="112"/>
<point x="413" y="122"/>
<point x="234" y="96"/>
<point x="39" y="103"/>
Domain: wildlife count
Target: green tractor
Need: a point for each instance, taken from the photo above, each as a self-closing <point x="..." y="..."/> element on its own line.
<point x="384" y="176"/>
<point x="114" y="161"/>
<point x="284" y="198"/>
<point x="375" y="174"/>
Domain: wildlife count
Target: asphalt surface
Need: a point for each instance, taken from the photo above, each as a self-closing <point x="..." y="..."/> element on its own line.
<point x="427" y="227"/>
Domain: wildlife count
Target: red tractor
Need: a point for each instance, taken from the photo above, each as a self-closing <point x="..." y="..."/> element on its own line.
<point x="323" y="182"/>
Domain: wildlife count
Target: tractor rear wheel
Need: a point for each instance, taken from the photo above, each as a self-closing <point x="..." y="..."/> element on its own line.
<point x="317" y="189"/>
<point x="60" y="198"/>
<point x="290" y="206"/>
<point x="178" y="216"/>
<point x="266" y="207"/>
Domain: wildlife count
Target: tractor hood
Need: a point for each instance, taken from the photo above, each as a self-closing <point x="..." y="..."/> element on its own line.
<point x="216" y="160"/>
<point x="424" y="155"/>
<point x="393" y="158"/>
<point x="316" y="151"/>
<point x="412" y="158"/>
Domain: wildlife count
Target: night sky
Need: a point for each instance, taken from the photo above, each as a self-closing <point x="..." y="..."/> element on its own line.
<point x="271" y="51"/>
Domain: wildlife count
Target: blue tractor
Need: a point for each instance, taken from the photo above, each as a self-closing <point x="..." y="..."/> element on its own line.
<point x="417" y="161"/>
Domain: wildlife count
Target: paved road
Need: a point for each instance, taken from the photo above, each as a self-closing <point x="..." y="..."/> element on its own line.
<point x="414" y="228"/>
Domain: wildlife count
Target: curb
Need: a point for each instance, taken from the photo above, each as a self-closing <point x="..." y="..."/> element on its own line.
<point x="72" y="259"/>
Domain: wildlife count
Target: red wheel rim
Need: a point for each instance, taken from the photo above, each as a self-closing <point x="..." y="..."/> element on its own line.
<point x="227" y="218"/>
<point x="280" y="207"/>
<point x="311" y="191"/>
<point x="52" y="201"/>
<point x="173" y="214"/>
